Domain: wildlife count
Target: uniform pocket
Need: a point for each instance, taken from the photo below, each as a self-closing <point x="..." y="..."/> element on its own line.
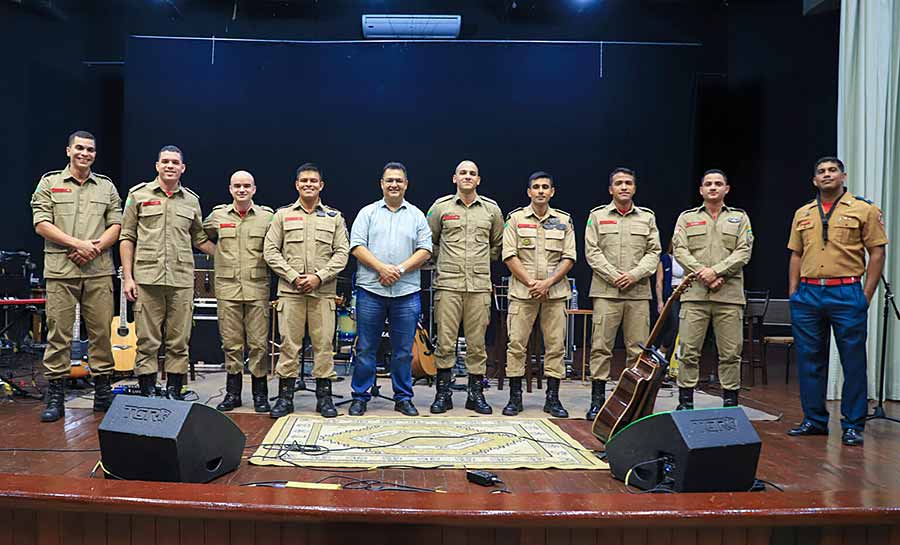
<point x="846" y="230"/>
<point x="554" y="239"/>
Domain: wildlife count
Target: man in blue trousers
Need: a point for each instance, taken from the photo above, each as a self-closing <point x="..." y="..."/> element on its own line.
<point x="391" y="239"/>
<point x="830" y="237"/>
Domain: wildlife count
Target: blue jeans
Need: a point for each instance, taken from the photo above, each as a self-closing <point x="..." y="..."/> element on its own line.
<point x="402" y="314"/>
<point x="815" y="310"/>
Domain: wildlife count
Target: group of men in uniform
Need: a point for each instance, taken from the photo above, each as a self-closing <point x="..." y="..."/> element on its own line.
<point x="307" y="244"/>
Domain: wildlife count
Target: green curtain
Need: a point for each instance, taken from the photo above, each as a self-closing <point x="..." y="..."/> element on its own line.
<point x="869" y="144"/>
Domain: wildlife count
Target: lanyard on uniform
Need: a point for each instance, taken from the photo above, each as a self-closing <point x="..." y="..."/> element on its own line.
<point x="825" y="217"/>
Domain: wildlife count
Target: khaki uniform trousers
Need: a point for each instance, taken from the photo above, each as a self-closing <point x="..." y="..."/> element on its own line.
<point x="474" y="310"/>
<point x="728" y="326"/>
<point x="520" y="321"/>
<point x="96" y="298"/>
<point x="243" y="322"/>
<point x="633" y="315"/>
<point x="157" y="306"/>
<point x="294" y="315"/>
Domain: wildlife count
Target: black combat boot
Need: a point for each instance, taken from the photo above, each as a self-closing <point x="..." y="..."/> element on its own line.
<point x="233" y="385"/>
<point x="514" y="405"/>
<point x="324" y="404"/>
<point x="598" y="398"/>
<point x="260" y="386"/>
<point x="475" y="400"/>
<point x="552" y="405"/>
<point x="443" y="397"/>
<point x="103" y="395"/>
<point x="730" y="398"/>
<point x="147" y="384"/>
<point x="284" y="405"/>
<point x="56" y="399"/>
<point x="685" y="399"/>
<point x="174" y="385"/>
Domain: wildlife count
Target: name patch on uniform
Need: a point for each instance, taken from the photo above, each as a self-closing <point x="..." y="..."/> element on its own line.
<point x="528" y="225"/>
<point x="293" y="218"/>
<point x="61" y="190"/>
<point x="607" y="222"/>
<point x="693" y="223"/>
<point x="151" y="203"/>
<point x="450" y="217"/>
<point x="224" y="225"/>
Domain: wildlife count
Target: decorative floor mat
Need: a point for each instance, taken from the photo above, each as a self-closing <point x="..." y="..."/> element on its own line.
<point x="435" y="442"/>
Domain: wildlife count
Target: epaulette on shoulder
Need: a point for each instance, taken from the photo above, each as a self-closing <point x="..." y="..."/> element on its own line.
<point x="286" y="206"/>
<point x="645" y="209"/>
<point x="445" y="198"/>
<point x="863" y="199"/>
<point x="490" y="200"/>
<point x="563" y="212"/>
<point x="811" y="201"/>
<point x="51" y="173"/>
<point x="267" y="209"/>
<point x="189" y="190"/>
<point x="511" y="212"/>
<point x="136" y="187"/>
<point x="741" y="210"/>
<point x="102" y="176"/>
<point x="219" y="207"/>
<point x="594" y="209"/>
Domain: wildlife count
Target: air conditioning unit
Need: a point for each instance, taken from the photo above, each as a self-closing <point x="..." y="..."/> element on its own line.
<point x="419" y="27"/>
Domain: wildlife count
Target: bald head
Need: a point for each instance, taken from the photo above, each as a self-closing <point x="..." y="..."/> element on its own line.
<point x="466" y="177"/>
<point x="242" y="188"/>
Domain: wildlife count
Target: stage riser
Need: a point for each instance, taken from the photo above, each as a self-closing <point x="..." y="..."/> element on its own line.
<point x="38" y="527"/>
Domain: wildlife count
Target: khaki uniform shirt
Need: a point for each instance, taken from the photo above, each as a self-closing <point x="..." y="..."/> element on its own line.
<point x="164" y="229"/>
<point x="299" y="242"/>
<point x="240" y="269"/>
<point x="724" y="244"/>
<point x="854" y="225"/>
<point x="540" y="244"/>
<point x="83" y="211"/>
<point x="466" y="239"/>
<point x="615" y="243"/>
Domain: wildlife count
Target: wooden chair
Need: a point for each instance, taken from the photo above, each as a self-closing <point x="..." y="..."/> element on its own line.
<point x="754" y="311"/>
<point x="778" y="315"/>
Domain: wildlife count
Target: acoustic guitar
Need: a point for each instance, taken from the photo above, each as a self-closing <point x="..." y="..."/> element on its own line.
<point x="635" y="393"/>
<point x="122" y="334"/>
<point x="423" y="365"/>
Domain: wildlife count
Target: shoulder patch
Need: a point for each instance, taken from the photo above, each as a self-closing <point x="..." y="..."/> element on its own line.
<point x="863" y="199"/>
<point x="645" y="209"/>
<point x="511" y="212"/>
<point x="330" y="209"/>
<point x="136" y="187"/>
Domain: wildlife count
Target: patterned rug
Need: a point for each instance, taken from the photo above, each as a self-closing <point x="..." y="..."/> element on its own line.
<point x="436" y="442"/>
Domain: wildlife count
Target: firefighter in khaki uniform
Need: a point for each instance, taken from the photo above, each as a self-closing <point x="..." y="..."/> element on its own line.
<point x="621" y="244"/>
<point x="162" y="221"/>
<point x="830" y="237"/>
<point x="467" y="233"/>
<point x="715" y="241"/>
<point x="539" y="249"/>
<point x="242" y="289"/>
<point x="77" y="212"/>
<point x="307" y="246"/>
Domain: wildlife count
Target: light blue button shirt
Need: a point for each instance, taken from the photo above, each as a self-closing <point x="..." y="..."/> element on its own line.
<point x="391" y="237"/>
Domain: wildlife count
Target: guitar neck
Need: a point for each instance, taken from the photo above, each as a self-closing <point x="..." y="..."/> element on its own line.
<point x="76" y="327"/>
<point x="123" y="302"/>
<point x="661" y="321"/>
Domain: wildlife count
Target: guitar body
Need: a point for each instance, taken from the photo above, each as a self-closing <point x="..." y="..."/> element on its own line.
<point x="124" y="346"/>
<point x="635" y="394"/>
<point x="122" y="334"/>
<point x="423" y="365"/>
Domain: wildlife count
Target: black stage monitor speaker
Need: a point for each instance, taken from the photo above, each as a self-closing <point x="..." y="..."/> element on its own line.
<point x="706" y="450"/>
<point x="157" y="439"/>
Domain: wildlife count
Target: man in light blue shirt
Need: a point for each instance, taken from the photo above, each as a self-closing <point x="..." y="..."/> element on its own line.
<point x="391" y="239"/>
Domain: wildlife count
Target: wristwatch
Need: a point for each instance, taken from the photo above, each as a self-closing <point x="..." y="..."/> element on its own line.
<point x="402" y="269"/>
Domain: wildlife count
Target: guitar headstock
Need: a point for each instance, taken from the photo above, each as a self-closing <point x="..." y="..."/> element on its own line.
<point x="685" y="284"/>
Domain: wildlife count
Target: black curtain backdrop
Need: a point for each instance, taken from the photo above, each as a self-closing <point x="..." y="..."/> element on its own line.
<point x="514" y="108"/>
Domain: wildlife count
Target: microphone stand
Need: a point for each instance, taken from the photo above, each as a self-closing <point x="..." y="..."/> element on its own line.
<point x="878" y="413"/>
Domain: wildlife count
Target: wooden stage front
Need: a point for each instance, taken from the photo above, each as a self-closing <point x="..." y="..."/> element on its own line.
<point x="832" y="494"/>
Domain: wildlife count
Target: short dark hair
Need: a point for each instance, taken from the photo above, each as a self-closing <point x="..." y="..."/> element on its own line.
<point x="829" y="159"/>
<point x="394" y="165"/>
<point x="540" y="174"/>
<point x="310" y="167"/>
<point x="714" y="171"/>
<point x="622" y="170"/>
<point x="174" y="149"/>
<point x="81" y="134"/>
